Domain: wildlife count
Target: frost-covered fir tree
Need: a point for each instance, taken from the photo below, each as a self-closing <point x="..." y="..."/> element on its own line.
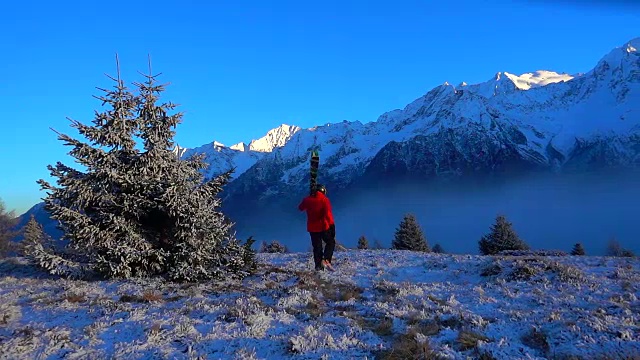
<point x="501" y="237"/>
<point x="363" y="243"/>
<point x="7" y="231"/>
<point x="409" y="236"/>
<point x="578" y="250"/>
<point x="135" y="212"/>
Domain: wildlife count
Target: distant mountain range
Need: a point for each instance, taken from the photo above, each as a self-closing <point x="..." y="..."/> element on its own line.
<point x="539" y="122"/>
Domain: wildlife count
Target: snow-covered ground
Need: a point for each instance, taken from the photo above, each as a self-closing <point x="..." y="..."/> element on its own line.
<point x="380" y="304"/>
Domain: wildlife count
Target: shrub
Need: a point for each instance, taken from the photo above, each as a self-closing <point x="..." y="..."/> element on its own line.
<point x="273" y="247"/>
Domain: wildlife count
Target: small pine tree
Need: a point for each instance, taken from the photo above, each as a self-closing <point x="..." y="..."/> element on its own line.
<point x="437" y="248"/>
<point x="502" y="237"/>
<point x="578" y="250"/>
<point x="377" y="245"/>
<point x="273" y="247"/>
<point x="409" y="236"/>
<point x="363" y="243"/>
<point x="38" y="247"/>
<point x="142" y="212"/>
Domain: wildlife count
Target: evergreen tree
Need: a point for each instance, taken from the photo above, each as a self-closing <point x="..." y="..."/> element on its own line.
<point x="437" y="248"/>
<point x="274" y="247"/>
<point x="38" y="247"/>
<point x="409" y="236"/>
<point x="578" y="250"/>
<point x="142" y="212"/>
<point x="502" y="237"/>
<point x="7" y="223"/>
<point x="363" y="243"/>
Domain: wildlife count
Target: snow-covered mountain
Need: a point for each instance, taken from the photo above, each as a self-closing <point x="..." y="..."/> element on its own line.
<point x="539" y="121"/>
<point x="239" y="156"/>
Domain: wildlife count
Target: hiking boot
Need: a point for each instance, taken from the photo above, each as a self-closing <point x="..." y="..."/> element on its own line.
<point x="327" y="264"/>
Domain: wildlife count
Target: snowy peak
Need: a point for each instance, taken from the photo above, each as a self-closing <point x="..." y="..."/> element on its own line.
<point x="218" y="146"/>
<point x="275" y="138"/>
<point x="537" y="79"/>
<point x="240" y="147"/>
<point x="633" y="45"/>
<point x="506" y="83"/>
<point x="179" y="150"/>
<point x="618" y="55"/>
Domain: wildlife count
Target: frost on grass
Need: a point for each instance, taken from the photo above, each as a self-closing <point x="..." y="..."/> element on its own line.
<point x="377" y="304"/>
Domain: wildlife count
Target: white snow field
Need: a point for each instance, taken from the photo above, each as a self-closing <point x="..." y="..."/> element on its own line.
<point x="378" y="304"/>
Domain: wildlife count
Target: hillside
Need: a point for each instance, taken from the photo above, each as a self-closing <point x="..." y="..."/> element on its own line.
<point x="379" y="304"/>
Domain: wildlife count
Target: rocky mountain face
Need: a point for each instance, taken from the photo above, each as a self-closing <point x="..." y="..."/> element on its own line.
<point x="535" y="122"/>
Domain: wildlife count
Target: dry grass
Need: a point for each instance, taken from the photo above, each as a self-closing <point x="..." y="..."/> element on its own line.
<point x="468" y="339"/>
<point x="315" y="308"/>
<point x="147" y="296"/>
<point x="151" y="296"/>
<point x="407" y="346"/>
<point x="522" y="272"/>
<point x="427" y="328"/>
<point x="413" y="317"/>
<point x="382" y="327"/>
<point x="154" y="329"/>
<point x="436" y="300"/>
<point x="75" y="298"/>
<point x="453" y="322"/>
<point x="491" y="270"/>
<point x="330" y="291"/>
<point x="344" y="292"/>
<point x="536" y="339"/>
<point x="387" y="289"/>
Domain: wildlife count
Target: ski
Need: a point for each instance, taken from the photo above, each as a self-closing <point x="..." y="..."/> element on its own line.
<point x="313" y="171"/>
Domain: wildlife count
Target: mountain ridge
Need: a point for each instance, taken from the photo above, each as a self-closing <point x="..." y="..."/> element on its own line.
<point x="502" y="93"/>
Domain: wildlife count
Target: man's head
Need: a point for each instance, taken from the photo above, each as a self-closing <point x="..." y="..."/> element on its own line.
<point x="321" y="188"/>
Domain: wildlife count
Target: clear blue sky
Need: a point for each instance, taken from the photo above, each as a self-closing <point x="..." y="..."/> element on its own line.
<point x="240" y="68"/>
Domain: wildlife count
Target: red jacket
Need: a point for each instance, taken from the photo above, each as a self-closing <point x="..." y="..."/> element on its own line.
<point x="318" y="208"/>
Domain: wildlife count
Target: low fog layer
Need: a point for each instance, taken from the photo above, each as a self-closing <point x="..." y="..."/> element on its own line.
<point x="548" y="213"/>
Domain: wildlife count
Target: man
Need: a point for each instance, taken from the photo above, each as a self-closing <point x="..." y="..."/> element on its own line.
<point x="320" y="226"/>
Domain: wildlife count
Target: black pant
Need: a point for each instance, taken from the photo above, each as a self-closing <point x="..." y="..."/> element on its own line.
<point x="329" y="238"/>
